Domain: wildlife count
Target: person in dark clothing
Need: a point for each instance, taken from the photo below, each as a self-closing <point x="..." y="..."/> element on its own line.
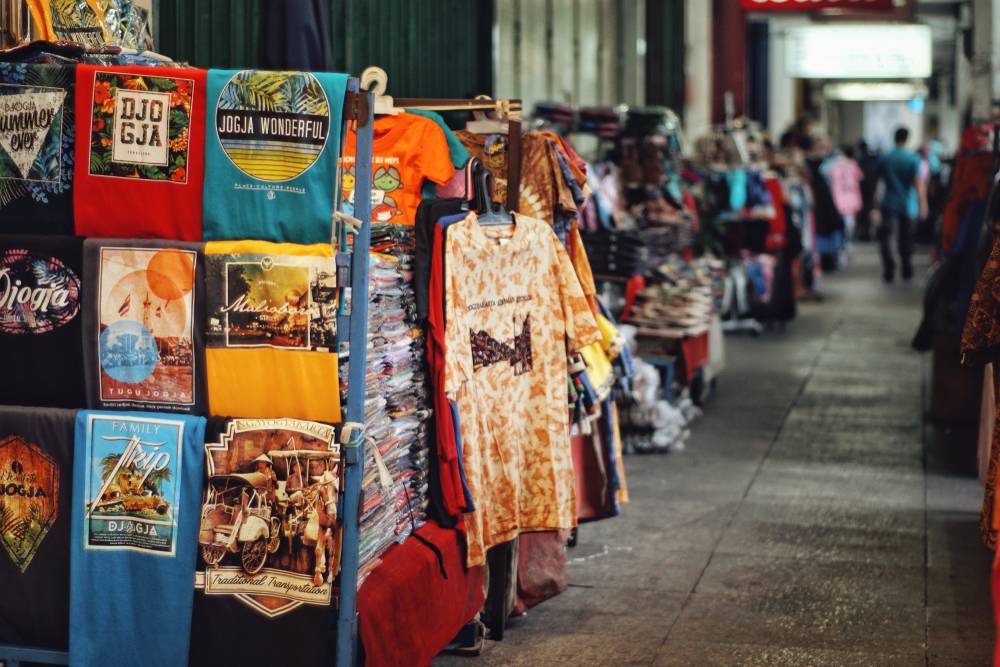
<point x="903" y="198"/>
<point x="868" y="160"/>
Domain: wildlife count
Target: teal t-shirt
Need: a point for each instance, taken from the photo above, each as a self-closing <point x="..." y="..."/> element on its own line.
<point x="271" y="147"/>
<point x="899" y="169"/>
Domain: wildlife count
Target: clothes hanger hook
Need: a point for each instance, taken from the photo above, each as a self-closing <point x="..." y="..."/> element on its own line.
<point x="375" y="80"/>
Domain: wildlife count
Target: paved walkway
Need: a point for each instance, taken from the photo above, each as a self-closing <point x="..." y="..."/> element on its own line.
<point x="812" y="520"/>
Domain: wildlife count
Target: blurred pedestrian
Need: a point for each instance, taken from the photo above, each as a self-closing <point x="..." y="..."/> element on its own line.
<point x="845" y="182"/>
<point x="901" y="197"/>
<point x="868" y="160"/>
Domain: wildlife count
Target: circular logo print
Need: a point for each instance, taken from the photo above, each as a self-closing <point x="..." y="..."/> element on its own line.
<point x="37" y="293"/>
<point x="128" y="351"/>
<point x="272" y="125"/>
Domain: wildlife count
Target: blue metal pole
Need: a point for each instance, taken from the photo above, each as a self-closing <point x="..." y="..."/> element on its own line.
<point x="347" y="620"/>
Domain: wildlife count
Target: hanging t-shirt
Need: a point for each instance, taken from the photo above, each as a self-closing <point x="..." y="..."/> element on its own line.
<point x="41" y="295"/>
<point x="144" y="328"/>
<point x="269" y="543"/>
<point x="36" y="148"/>
<point x="513" y="300"/>
<point x="137" y="482"/>
<point x="36" y="469"/>
<point x="543" y="189"/>
<point x="406" y="150"/>
<point x="272" y="329"/>
<point x="271" y="155"/>
<point x="139" y="152"/>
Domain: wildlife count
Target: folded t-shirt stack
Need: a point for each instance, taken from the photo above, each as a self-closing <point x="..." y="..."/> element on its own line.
<point x="397" y="404"/>
<point x="617" y="253"/>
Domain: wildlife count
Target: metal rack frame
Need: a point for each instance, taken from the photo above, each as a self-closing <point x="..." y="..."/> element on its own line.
<point x="357" y="109"/>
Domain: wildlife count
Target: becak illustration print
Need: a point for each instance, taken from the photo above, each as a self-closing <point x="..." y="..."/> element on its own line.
<point x="269" y="532"/>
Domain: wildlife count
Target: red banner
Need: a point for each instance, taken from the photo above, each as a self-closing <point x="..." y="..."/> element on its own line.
<point x="815" y="5"/>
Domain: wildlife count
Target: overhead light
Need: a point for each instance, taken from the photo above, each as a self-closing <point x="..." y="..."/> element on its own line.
<point x="859" y="51"/>
<point x="857" y="91"/>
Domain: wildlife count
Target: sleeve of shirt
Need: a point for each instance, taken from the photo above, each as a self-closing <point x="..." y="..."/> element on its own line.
<point x="435" y="158"/>
<point x="581" y="327"/>
<point x="458" y="344"/>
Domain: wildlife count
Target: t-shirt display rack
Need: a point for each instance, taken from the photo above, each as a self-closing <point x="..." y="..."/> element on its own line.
<point x="352" y="332"/>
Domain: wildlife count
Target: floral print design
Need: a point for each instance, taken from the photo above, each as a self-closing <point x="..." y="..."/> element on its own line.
<point x="106" y="85"/>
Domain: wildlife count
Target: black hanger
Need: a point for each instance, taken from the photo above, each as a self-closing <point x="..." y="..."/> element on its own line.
<point x="490" y="214"/>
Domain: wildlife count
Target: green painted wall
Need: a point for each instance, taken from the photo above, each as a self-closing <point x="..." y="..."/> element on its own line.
<point x="439" y="48"/>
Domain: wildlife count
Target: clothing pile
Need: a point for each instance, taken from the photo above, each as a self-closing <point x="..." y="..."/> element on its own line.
<point x="397" y="411"/>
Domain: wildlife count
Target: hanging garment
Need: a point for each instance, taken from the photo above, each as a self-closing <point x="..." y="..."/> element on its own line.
<point x="298" y="35"/>
<point x="41" y="295"/>
<point x="271" y="155"/>
<point x="144" y="327"/>
<point x="36" y="457"/>
<point x="451" y="476"/>
<point x="269" y="543"/>
<point x="455" y="187"/>
<point x="987" y="418"/>
<point x="271" y="332"/>
<point x="140" y="136"/>
<point x="543" y="189"/>
<point x="512" y="301"/>
<point x="407" y="150"/>
<point x="971" y="181"/>
<point x="36" y="151"/>
<point x="137" y="482"/>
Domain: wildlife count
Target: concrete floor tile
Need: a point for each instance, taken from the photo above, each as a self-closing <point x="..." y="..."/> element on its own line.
<point x="845" y="624"/>
<point x="790" y="583"/>
<point x="707" y="654"/>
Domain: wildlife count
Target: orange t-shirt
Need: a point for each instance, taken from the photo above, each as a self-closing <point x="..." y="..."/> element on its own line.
<point x="406" y="150"/>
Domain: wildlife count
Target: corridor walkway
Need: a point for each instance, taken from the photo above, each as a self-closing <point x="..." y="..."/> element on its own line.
<point x="812" y="519"/>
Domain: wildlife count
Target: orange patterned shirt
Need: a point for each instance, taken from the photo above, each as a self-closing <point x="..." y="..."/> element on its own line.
<point x="513" y="300"/>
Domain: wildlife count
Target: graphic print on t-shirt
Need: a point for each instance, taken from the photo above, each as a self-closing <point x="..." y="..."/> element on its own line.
<point x="268" y="531"/>
<point x="279" y="301"/>
<point x="31" y="132"/>
<point x="487" y="350"/>
<point x="132" y="485"/>
<point x="37" y="293"/>
<point x="29" y="498"/>
<point x="272" y="125"/>
<point x="139" y="126"/>
<point x="145" y="343"/>
<point x="386" y="180"/>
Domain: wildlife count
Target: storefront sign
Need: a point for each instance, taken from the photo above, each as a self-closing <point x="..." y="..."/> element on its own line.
<point x="859" y="51"/>
<point x="815" y="5"/>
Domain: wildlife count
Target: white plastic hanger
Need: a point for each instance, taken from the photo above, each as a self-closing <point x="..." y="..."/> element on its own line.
<point x="375" y="80"/>
<point x="484" y="125"/>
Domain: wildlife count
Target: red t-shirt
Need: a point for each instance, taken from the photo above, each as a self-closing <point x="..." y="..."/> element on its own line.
<point x="140" y="152"/>
<point x="450" y="475"/>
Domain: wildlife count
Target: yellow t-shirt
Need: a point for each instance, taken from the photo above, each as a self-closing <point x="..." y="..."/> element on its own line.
<point x="272" y="326"/>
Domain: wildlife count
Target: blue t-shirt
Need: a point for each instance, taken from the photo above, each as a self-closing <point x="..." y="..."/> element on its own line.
<point x="271" y="146"/>
<point x="137" y="480"/>
<point x="899" y="169"/>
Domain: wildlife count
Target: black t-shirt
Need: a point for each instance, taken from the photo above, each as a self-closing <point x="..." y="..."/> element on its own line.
<point x="36" y="155"/>
<point x="428" y="213"/>
<point x="41" y="299"/>
<point x="278" y="616"/>
<point x="144" y="325"/>
<point x="36" y="474"/>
